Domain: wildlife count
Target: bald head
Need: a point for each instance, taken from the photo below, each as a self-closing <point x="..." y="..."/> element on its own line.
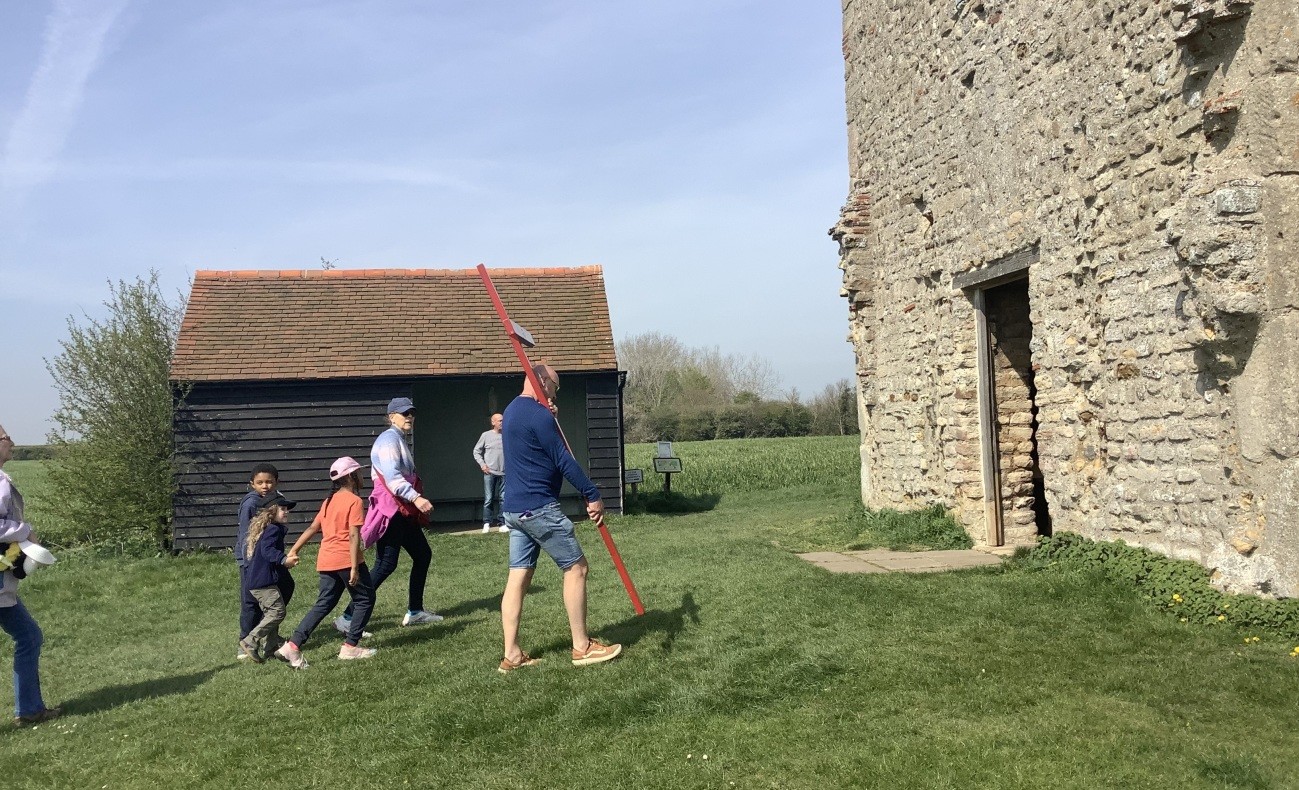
<point x="549" y="382"/>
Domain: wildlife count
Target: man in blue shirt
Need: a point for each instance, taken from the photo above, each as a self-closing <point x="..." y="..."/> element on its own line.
<point x="536" y="463"/>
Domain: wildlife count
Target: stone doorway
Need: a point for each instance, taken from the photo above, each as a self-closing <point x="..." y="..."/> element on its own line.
<point x="1017" y="507"/>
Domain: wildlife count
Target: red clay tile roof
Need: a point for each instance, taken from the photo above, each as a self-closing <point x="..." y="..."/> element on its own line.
<point x="340" y="323"/>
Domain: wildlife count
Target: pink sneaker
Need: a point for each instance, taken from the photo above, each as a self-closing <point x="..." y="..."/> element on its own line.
<point x="350" y="652"/>
<point x="290" y="653"/>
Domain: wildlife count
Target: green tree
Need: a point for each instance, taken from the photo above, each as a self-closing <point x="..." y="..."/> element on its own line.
<point x="112" y="478"/>
<point x="834" y="411"/>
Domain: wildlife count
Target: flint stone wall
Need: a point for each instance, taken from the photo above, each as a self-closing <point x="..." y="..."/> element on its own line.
<point x="1150" y="153"/>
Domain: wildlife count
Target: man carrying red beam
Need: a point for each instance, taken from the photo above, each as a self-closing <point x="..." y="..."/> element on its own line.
<point x="536" y="463"/>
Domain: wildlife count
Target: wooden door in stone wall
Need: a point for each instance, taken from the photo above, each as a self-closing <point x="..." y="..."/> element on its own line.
<point x="1022" y="505"/>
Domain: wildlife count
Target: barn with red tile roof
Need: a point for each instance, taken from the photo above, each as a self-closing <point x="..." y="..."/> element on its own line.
<point x="295" y="368"/>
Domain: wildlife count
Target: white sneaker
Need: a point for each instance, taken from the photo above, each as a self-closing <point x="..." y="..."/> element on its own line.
<point x="242" y="656"/>
<point x="487" y="528"/>
<point x="502" y="528"/>
<point x="421" y="618"/>
<point x="342" y="625"/>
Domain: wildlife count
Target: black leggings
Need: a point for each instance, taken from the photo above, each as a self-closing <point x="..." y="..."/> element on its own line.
<point x="332" y="586"/>
<point x="403" y="533"/>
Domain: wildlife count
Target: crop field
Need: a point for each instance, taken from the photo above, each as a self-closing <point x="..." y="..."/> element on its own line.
<point x="731" y="466"/>
<point x="31" y="479"/>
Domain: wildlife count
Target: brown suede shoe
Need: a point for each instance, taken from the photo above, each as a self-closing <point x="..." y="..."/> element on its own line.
<point x="595" y="653"/>
<point x="507" y="666"/>
<point x="37" y="718"/>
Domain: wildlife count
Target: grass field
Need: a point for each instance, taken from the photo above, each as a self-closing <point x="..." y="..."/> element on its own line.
<point x="785" y="676"/>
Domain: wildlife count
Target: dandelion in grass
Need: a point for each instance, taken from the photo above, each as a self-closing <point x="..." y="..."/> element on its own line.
<point x="1222" y="617"/>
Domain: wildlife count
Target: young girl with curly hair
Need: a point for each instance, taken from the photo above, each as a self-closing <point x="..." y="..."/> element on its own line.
<point x="268" y="577"/>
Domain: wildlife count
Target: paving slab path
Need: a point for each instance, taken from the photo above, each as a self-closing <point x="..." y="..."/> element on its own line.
<point x="887" y="561"/>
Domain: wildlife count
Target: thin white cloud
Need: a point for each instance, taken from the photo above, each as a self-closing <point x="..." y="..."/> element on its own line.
<point x="75" y="33"/>
<point x="238" y="169"/>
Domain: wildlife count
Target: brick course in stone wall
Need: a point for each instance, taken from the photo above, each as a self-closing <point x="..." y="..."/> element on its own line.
<point x="1150" y="151"/>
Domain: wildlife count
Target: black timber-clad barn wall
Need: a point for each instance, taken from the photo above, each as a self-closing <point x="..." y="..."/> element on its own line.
<point x="223" y="429"/>
<point x="604" y="438"/>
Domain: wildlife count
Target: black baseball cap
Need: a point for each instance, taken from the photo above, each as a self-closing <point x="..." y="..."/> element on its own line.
<point x="276" y="499"/>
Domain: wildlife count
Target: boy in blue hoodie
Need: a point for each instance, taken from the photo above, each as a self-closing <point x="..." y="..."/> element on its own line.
<point x="262" y="484"/>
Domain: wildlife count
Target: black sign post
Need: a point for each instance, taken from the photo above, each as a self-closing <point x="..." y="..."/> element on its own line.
<point x="667" y="467"/>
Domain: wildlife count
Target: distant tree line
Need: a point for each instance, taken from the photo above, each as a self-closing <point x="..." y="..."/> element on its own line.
<point x="33" y="452"/>
<point x="678" y="393"/>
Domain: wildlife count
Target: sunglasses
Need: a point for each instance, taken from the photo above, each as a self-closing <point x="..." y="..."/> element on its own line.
<point x="6" y="438"/>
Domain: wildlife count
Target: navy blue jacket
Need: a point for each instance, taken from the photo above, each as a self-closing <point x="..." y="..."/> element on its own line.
<point x="267" y="564"/>
<point x="247" y="509"/>
<point x="536" y="460"/>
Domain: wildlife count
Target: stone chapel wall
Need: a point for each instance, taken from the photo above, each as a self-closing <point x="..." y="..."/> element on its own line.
<point x="1150" y="152"/>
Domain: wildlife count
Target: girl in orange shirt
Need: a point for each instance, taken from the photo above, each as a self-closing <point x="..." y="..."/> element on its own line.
<point x="341" y="564"/>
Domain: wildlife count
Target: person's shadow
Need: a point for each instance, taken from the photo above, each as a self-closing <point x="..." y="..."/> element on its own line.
<point x="114" y="696"/>
<point x="628" y="632"/>
<point x="489" y="604"/>
<point x="426" y="633"/>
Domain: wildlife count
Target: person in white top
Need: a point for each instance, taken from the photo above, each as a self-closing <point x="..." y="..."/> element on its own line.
<point x="17" y="622"/>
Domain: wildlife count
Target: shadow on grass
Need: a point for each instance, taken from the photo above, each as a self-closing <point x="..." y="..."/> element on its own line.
<point x="628" y="632"/>
<point x="672" y="504"/>
<point x="489" y="604"/>
<point x="115" y="696"/>
<point x="427" y="633"/>
<point x="670" y="623"/>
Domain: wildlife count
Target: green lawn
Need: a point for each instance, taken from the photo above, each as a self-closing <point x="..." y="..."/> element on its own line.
<point x="782" y="674"/>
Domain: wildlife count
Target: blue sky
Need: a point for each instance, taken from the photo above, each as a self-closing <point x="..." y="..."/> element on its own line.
<point x="694" y="148"/>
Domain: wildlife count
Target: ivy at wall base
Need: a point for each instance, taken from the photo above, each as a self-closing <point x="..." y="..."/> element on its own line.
<point x="1180" y="587"/>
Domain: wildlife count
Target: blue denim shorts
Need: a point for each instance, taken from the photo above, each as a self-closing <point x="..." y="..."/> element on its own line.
<point x="547" y="528"/>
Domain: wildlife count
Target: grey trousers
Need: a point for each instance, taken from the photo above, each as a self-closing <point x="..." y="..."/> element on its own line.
<point x="267" y="632"/>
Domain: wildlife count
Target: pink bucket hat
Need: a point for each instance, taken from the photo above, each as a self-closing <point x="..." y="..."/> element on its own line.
<point x="343" y="467"/>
